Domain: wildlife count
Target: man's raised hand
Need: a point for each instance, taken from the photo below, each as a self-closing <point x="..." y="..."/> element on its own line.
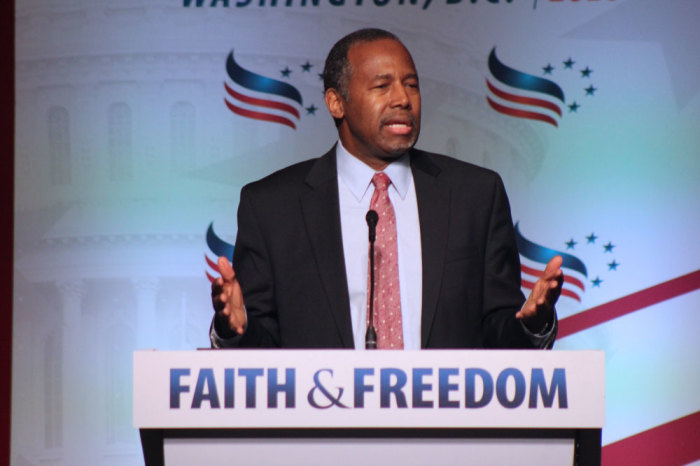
<point x="227" y="299"/>
<point x="538" y="310"/>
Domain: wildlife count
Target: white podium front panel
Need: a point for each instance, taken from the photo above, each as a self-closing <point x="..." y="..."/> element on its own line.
<point x="362" y="389"/>
<point x="368" y="452"/>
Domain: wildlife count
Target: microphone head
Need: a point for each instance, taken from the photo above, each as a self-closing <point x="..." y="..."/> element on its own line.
<point x="372" y="218"/>
<point x="371" y="338"/>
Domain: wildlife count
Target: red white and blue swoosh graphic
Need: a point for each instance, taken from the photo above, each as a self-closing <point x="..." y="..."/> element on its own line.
<point x="258" y="97"/>
<point x="218" y="247"/>
<point x="534" y="258"/>
<point x="517" y="94"/>
<point x="522" y="95"/>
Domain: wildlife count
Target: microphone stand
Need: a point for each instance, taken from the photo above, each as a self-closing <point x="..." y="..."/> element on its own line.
<point x="371" y="335"/>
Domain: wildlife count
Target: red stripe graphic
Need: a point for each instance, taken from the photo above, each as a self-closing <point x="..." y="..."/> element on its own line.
<point x="574" y="281"/>
<point x="524" y="100"/>
<point x="567" y="278"/>
<point x="526" y="284"/>
<point x="259" y="115"/>
<point x="212" y="264"/>
<point x="530" y="270"/>
<point x="521" y="113"/>
<point x="570" y="294"/>
<point x="674" y="443"/>
<point x="630" y="303"/>
<point x="564" y="292"/>
<point x="261" y="102"/>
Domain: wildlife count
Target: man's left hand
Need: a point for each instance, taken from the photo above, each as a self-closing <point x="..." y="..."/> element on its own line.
<point x="538" y="310"/>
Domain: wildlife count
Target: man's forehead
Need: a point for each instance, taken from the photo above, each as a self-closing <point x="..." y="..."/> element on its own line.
<point x="372" y="52"/>
<point x="389" y="45"/>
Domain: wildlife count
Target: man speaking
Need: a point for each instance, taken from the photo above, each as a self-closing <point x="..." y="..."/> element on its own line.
<point x="443" y="268"/>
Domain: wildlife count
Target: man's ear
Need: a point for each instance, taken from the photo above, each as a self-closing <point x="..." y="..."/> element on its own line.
<point x="335" y="104"/>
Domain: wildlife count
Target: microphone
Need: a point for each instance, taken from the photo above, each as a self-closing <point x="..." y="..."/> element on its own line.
<point x="372" y="218"/>
<point x="371" y="336"/>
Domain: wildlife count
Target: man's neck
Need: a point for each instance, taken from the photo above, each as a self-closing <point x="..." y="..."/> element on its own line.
<point x="377" y="164"/>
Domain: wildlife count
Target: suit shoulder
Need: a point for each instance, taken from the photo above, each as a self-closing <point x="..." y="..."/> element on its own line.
<point x="282" y="180"/>
<point x="455" y="169"/>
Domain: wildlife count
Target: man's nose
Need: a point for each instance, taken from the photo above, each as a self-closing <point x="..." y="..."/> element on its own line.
<point x="399" y="96"/>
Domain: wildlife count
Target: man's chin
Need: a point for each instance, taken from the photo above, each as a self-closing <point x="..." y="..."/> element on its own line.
<point x="398" y="149"/>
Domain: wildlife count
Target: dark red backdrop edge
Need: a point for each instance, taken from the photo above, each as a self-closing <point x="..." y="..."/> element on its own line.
<point x="7" y="136"/>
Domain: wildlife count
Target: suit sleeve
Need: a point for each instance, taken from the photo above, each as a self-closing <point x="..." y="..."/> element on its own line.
<point x="251" y="262"/>
<point x="502" y="294"/>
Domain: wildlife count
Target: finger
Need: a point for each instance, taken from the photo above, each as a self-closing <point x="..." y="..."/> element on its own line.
<point x="236" y="320"/>
<point x="545" y="295"/>
<point x="554" y="287"/>
<point x="237" y="328"/>
<point x="526" y="313"/>
<point x="225" y="269"/>
<point x="549" y="283"/>
<point x="528" y="310"/>
<point x="237" y="306"/>
<point x="539" y="291"/>
<point x="554" y="291"/>
<point x="537" y="298"/>
<point x="218" y="304"/>
<point x="216" y="287"/>
<point x="553" y="268"/>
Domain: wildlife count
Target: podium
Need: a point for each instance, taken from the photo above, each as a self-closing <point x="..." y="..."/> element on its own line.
<point x="338" y="407"/>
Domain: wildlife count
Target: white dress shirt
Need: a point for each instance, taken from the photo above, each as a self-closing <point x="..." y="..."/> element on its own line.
<point x="355" y="191"/>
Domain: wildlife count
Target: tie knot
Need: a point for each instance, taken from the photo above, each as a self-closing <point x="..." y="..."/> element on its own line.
<point x="381" y="181"/>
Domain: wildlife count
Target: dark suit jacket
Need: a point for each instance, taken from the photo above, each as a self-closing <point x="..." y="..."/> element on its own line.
<point x="289" y="259"/>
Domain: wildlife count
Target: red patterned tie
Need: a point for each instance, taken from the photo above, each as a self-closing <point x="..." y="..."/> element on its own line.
<point x="387" y="298"/>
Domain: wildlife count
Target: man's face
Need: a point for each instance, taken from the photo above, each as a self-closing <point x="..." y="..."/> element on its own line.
<point x="381" y="115"/>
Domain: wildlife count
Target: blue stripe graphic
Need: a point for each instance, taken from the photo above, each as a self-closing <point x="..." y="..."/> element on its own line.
<point x="520" y="80"/>
<point x="218" y="246"/>
<point x="256" y="82"/>
<point x="541" y="254"/>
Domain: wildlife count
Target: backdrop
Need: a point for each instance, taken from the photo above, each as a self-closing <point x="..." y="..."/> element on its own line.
<point x="138" y="121"/>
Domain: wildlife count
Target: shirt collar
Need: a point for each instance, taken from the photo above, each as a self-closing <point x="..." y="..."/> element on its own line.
<point x="357" y="175"/>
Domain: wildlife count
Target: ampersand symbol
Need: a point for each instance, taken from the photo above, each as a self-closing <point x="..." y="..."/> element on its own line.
<point x="333" y="401"/>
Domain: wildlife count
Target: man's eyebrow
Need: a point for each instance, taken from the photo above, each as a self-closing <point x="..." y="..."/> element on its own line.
<point x="389" y="76"/>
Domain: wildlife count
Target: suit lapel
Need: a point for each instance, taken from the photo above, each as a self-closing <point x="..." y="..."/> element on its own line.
<point x="433" y="212"/>
<point x="321" y="211"/>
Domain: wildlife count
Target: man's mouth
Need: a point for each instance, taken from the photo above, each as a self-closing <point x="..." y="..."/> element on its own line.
<point x="399" y="127"/>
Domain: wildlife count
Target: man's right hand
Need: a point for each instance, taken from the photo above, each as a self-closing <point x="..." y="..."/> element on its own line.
<point x="227" y="299"/>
